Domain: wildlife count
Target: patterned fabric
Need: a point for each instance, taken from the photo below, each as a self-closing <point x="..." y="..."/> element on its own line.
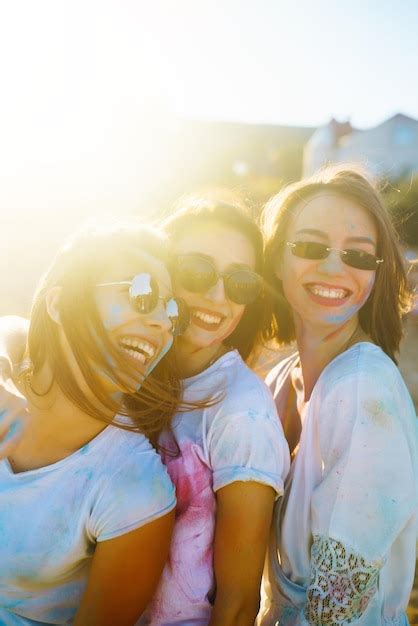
<point x="342" y="583"/>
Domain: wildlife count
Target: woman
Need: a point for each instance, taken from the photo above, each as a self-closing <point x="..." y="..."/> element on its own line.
<point x="86" y="505"/>
<point x="343" y="545"/>
<point x="233" y="457"/>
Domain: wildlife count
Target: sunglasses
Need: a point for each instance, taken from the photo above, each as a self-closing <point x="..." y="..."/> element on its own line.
<point x="314" y="251"/>
<point x="197" y="274"/>
<point x="144" y="296"/>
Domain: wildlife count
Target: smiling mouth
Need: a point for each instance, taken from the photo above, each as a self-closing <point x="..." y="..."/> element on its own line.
<point x="329" y="293"/>
<point x="139" y="349"/>
<point x="209" y="321"/>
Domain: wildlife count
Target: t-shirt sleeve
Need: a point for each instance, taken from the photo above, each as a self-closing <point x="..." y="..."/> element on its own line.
<point x="247" y="443"/>
<point x="139" y="492"/>
<point x="367" y="492"/>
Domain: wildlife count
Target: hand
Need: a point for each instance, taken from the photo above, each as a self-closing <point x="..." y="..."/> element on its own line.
<point x="13" y="415"/>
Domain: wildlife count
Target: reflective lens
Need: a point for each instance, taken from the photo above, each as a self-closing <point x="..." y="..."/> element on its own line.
<point x="197" y="275"/>
<point x="144" y="296"/>
<point x="313" y="250"/>
<point x="179" y="314"/>
<point x="144" y="293"/>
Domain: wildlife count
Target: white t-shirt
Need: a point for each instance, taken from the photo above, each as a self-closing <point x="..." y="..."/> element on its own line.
<point x="343" y="546"/>
<point x="52" y="517"/>
<point x="238" y="439"/>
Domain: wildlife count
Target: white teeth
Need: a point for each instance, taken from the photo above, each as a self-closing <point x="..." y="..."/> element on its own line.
<point x="128" y="342"/>
<point x="209" y="319"/>
<point x="336" y="294"/>
<point x="136" y="355"/>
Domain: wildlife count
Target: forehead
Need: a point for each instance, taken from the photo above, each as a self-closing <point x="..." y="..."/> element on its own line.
<point x="225" y="244"/>
<point x="134" y="262"/>
<point x="334" y="215"/>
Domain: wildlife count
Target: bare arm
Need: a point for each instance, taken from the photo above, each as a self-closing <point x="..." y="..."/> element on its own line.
<point x="242" y="529"/>
<point x="124" y="574"/>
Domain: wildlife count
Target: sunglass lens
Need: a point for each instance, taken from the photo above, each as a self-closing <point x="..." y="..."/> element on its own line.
<point x="310" y="250"/>
<point x="178" y="312"/>
<point x="195" y="274"/>
<point x="243" y="287"/>
<point x="360" y="260"/>
<point x="144" y="293"/>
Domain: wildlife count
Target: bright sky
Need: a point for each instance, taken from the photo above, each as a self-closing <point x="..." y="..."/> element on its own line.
<point x="88" y="86"/>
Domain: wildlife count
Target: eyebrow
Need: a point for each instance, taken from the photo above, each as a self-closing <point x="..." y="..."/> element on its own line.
<point x="322" y="235"/>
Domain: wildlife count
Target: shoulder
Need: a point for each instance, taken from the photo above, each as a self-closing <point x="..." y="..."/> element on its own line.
<point x="365" y="365"/>
<point x="242" y="387"/>
<point x="134" y="488"/>
<point x="364" y="382"/>
<point x="131" y="455"/>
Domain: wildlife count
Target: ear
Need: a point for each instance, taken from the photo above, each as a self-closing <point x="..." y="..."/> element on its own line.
<point x="52" y="300"/>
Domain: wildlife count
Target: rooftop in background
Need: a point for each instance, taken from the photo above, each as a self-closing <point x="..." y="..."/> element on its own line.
<point x="389" y="149"/>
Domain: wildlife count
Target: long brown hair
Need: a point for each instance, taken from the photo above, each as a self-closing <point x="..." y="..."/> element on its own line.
<point x="381" y="315"/>
<point x="229" y="210"/>
<point x="77" y="268"/>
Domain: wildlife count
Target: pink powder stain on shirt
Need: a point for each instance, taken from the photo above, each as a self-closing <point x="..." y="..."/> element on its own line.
<point x="188" y="580"/>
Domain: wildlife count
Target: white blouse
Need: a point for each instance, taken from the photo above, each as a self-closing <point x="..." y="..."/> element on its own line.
<point x="344" y="535"/>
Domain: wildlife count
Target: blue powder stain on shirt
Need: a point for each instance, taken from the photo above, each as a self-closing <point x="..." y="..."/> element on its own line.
<point x="84" y="449"/>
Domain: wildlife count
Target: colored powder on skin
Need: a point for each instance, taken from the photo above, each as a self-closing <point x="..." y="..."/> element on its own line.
<point x="2" y="415"/>
<point x="348" y="313"/>
<point x="344" y="316"/>
<point x="114" y="316"/>
<point x="15" y="428"/>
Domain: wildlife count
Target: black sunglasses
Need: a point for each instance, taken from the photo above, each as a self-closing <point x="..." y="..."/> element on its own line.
<point x="197" y="274"/>
<point x="314" y="250"/>
<point x="144" y="296"/>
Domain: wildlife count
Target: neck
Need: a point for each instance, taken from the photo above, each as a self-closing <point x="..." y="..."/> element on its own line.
<point x="55" y="429"/>
<point x="192" y="360"/>
<point x="318" y="347"/>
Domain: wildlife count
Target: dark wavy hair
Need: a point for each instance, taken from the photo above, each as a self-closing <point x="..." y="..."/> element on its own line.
<point x="381" y="315"/>
<point x="224" y="208"/>
<point x="77" y="268"/>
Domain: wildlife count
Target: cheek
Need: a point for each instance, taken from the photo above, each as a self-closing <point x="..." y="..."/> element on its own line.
<point x="232" y="324"/>
<point x="112" y="315"/>
<point x="367" y="289"/>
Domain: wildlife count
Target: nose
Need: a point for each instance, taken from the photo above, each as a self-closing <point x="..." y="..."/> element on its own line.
<point x="158" y="318"/>
<point x="332" y="264"/>
<point x="217" y="292"/>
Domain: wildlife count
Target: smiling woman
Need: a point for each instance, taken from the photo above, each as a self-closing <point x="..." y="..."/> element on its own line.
<point x="98" y="497"/>
<point x="233" y="457"/>
<point x="345" y="528"/>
